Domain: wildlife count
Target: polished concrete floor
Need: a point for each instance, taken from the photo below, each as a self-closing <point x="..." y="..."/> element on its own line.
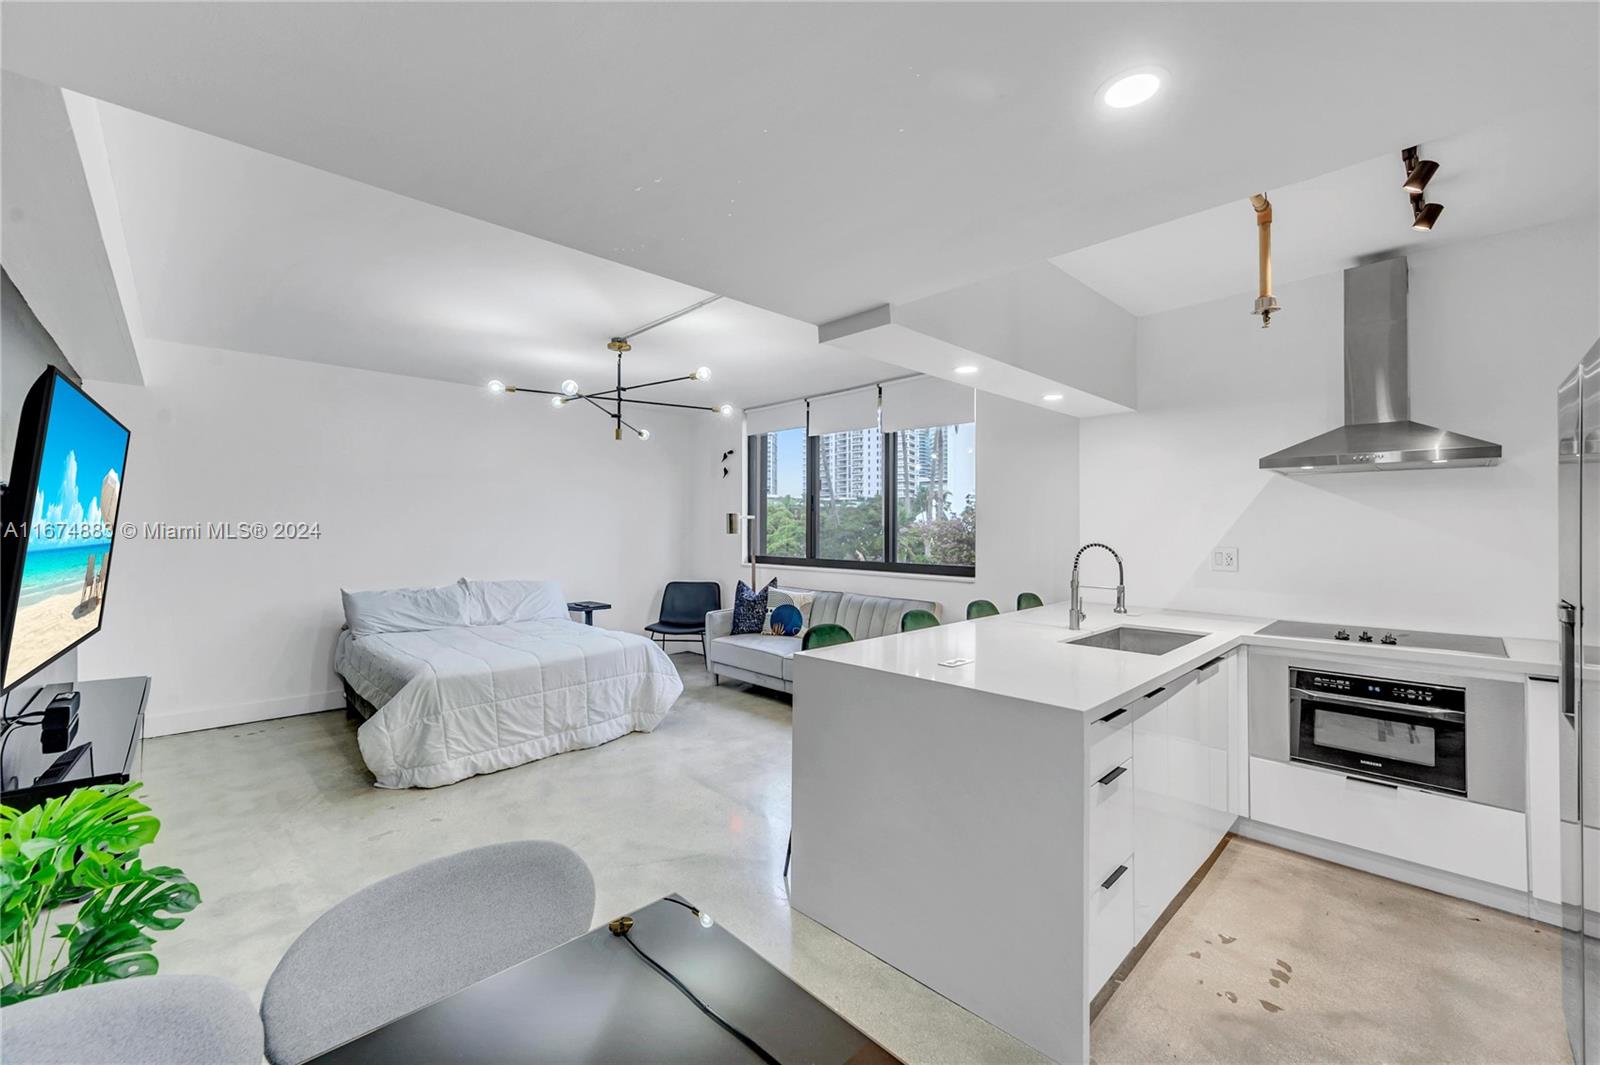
<point x="1275" y="957"/>
<point x="277" y="821"/>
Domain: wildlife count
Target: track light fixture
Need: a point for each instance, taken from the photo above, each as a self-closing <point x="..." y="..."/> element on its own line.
<point x="1424" y="217"/>
<point x="1419" y="172"/>
<point x="610" y="401"/>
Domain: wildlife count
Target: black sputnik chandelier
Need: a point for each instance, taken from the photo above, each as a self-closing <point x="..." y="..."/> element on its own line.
<point x="611" y="401"/>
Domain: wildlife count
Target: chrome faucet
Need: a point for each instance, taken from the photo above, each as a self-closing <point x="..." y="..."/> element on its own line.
<point x="1077" y="615"/>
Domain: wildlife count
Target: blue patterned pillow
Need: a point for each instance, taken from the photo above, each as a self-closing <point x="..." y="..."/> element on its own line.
<point x="750" y="608"/>
<point x="786" y="620"/>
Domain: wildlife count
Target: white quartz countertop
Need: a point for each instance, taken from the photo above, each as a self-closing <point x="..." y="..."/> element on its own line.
<point x="1025" y="654"/>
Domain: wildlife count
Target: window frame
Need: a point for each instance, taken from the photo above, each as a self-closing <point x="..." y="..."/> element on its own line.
<point x="756" y="459"/>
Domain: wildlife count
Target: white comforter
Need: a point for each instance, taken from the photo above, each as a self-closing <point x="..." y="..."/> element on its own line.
<point x="458" y="701"/>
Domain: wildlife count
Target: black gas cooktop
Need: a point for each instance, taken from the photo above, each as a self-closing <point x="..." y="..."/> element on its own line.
<point x="1378" y="636"/>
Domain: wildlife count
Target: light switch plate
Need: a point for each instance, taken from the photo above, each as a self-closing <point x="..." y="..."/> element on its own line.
<point x="1225" y="560"/>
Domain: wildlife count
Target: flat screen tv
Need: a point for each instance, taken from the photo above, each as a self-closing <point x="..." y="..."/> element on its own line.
<point x="58" y="526"/>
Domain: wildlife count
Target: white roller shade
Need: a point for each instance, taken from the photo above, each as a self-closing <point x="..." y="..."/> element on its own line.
<point x="856" y="409"/>
<point x="920" y="402"/>
<point x="764" y="420"/>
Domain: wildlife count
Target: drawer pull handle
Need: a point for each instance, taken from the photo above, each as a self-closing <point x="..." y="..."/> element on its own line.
<point x="1113" y="775"/>
<point x="1113" y="714"/>
<point x="1374" y="783"/>
<point x="1113" y="878"/>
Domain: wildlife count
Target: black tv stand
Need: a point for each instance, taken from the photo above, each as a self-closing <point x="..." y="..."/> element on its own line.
<point x="107" y="747"/>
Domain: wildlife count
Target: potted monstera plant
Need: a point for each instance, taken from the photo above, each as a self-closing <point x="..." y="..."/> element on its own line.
<point x="77" y="904"/>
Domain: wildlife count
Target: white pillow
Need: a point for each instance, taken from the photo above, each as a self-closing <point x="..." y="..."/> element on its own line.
<point x="502" y="602"/>
<point x="405" y="609"/>
<point x="801" y="601"/>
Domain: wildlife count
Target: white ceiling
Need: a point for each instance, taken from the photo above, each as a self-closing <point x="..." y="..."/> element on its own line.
<point x="814" y="159"/>
<point x="234" y="248"/>
<point x="51" y="241"/>
<point x="1527" y="170"/>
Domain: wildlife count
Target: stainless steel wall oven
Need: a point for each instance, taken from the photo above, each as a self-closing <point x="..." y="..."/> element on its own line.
<point x="1399" y="731"/>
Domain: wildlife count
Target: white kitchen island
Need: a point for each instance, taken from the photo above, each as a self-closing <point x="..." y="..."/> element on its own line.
<point x="1007" y="829"/>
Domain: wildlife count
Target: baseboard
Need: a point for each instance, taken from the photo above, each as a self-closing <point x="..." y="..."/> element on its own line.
<point x="1546" y="912"/>
<point x="1492" y="895"/>
<point x="174" y="722"/>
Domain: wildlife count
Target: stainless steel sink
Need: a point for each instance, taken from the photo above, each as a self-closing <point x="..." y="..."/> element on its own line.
<point x="1136" y="640"/>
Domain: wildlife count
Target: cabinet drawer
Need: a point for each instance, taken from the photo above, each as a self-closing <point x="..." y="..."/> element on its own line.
<point x="1110" y="744"/>
<point x="1110" y="820"/>
<point x="1110" y="922"/>
<point x="1437" y="831"/>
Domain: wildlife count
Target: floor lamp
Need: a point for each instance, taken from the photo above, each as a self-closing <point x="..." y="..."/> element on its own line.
<point x="733" y="530"/>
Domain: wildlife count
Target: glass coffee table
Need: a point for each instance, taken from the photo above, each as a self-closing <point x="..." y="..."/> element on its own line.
<point x="620" y="998"/>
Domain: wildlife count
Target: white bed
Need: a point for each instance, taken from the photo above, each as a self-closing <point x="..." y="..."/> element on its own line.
<point x="484" y="675"/>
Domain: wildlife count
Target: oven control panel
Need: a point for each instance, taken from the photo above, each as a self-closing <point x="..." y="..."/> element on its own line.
<point x="1404" y="693"/>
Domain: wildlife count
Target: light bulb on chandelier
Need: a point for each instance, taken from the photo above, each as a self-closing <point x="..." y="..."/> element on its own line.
<point x="612" y="401"/>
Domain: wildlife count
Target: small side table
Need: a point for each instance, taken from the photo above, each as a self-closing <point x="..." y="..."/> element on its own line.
<point x="587" y="608"/>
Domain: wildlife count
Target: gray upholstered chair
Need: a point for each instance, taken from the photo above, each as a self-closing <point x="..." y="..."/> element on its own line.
<point x="143" y="1020"/>
<point x="402" y="943"/>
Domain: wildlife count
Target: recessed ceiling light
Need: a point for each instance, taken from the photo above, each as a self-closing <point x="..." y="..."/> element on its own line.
<point x="1133" y="88"/>
<point x="1052" y="397"/>
<point x="966" y="369"/>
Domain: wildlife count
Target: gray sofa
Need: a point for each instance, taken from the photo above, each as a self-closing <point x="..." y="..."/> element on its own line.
<point x="765" y="660"/>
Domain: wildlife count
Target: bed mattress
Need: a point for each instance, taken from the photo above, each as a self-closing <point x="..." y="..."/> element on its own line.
<point x="455" y="702"/>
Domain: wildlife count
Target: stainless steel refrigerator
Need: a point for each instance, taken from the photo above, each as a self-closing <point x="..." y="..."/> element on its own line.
<point x="1578" y="419"/>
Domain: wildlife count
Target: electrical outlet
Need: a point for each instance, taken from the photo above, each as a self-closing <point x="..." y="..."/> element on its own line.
<point x="1225" y="560"/>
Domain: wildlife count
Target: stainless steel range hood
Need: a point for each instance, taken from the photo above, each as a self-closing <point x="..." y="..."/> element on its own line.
<point x="1378" y="433"/>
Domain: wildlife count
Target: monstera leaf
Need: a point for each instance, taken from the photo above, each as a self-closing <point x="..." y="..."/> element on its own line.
<point x="83" y="849"/>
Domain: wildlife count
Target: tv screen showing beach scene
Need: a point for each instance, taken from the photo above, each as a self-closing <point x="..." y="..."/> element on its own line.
<point x="71" y="527"/>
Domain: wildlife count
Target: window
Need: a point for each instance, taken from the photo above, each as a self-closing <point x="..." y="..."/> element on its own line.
<point x="783" y="494"/>
<point x="850" y="496"/>
<point x="936" y="496"/>
<point x="821" y="500"/>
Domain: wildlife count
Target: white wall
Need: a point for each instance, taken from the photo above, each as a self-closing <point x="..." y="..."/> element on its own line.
<point x="1027" y="473"/>
<point x="414" y="482"/>
<point x="1495" y="325"/>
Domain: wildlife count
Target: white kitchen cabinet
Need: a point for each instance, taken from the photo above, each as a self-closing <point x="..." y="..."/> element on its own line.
<point x="1429" y="829"/>
<point x="1238" y="689"/>
<point x="1110" y="820"/>
<point x="1111" y="934"/>
<point x="1543" y="725"/>
<point x="1110" y="743"/>
<point x="1180" y="787"/>
<point x="1155" y="812"/>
